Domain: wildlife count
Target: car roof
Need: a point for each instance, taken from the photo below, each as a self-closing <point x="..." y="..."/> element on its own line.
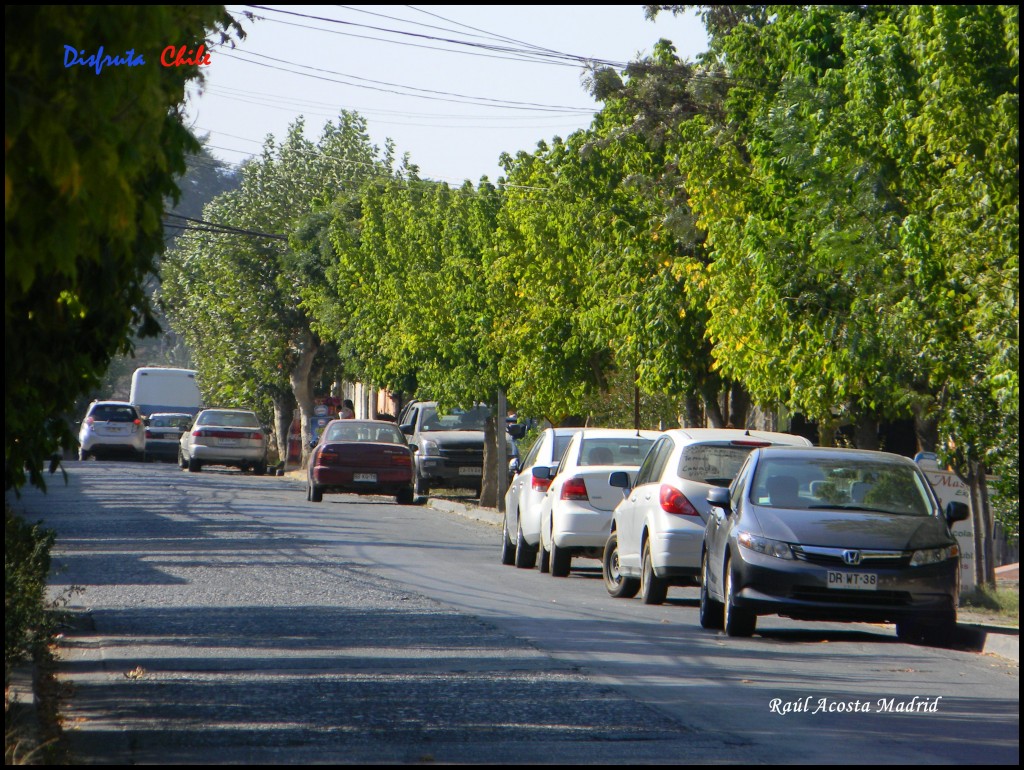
<point x="853" y="455"/>
<point x="618" y="433"/>
<point x="361" y="422"/>
<point x="697" y="435"/>
<point x="226" y="409"/>
<point x="171" y="414"/>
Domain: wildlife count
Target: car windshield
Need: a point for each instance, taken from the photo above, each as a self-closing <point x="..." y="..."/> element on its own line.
<point x="841" y="483"/>
<point x="457" y="419"/>
<point x="170" y="421"/>
<point x="712" y="464"/>
<point x="629" y="450"/>
<point x="349" y="431"/>
<point x="229" y="419"/>
<point x="113" y="413"/>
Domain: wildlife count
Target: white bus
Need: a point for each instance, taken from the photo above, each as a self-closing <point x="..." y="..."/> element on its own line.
<point x="159" y="389"/>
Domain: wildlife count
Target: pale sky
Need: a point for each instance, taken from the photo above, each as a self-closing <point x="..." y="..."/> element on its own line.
<point x="453" y="110"/>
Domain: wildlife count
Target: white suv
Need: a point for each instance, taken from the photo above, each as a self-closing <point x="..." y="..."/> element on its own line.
<point x="112" y="427"/>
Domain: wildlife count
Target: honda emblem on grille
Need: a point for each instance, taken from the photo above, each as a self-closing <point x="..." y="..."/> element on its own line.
<point x="851" y="558"/>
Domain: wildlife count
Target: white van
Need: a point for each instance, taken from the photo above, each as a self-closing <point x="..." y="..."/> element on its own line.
<point x="159" y="389"/>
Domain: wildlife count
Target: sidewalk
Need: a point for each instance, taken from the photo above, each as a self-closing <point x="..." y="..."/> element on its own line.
<point x="977" y="637"/>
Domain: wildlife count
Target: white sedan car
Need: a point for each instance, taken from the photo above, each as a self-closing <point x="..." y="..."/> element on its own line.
<point x="232" y="437"/>
<point x="521" y="531"/>
<point x="576" y="514"/>
<point x="657" y="530"/>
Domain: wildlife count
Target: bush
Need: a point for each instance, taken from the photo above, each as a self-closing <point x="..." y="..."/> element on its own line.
<point x="26" y="566"/>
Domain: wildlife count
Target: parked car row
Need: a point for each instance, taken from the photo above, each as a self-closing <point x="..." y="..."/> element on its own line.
<point x="229" y="437"/>
<point x="764" y="523"/>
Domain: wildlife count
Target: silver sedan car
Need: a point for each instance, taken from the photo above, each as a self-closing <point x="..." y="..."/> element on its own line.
<point x="831" y="534"/>
<point x="232" y="437"/>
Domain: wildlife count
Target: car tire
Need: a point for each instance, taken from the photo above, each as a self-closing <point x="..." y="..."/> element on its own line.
<point x="405" y="496"/>
<point x="182" y="462"/>
<point x="560" y="560"/>
<point x="194" y="465"/>
<point x="737" y="621"/>
<point x="508" y="548"/>
<point x="316" y="493"/>
<point x="422" y="489"/>
<point x="82" y="455"/>
<point x="711" y="611"/>
<point x="543" y="558"/>
<point x="937" y="631"/>
<point x="260" y="468"/>
<point x="619" y="586"/>
<point x="526" y="554"/>
<point x="653" y="590"/>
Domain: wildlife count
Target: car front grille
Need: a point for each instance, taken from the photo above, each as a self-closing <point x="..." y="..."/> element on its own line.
<point x="843" y="596"/>
<point x="833" y="557"/>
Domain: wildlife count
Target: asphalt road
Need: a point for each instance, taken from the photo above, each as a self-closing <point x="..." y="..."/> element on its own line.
<point x="224" y="619"/>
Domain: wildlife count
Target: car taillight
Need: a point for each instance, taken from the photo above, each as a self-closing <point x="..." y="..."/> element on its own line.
<point x="90" y="420"/>
<point x="750" y="443"/>
<point x="402" y="459"/>
<point x="328" y="456"/>
<point x="257" y="436"/>
<point x="200" y="433"/>
<point x="674" y="501"/>
<point x="541" y="485"/>
<point x="149" y="433"/>
<point x="575" y="489"/>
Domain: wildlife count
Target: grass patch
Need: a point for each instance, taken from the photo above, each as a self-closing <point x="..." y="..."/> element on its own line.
<point x="1004" y="602"/>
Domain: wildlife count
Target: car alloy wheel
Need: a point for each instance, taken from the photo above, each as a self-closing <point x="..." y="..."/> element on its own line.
<point x="618" y="585"/>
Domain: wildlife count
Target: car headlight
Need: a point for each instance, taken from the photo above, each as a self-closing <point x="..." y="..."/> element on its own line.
<point x="934" y="555"/>
<point x="429" y="448"/>
<point x="765" y="545"/>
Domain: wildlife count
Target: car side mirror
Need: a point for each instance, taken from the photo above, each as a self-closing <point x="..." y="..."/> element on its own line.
<point x="513" y="466"/>
<point x="516" y="430"/>
<point x="957" y="512"/>
<point x="312" y="443"/>
<point x="719" y="498"/>
<point x="620" y="479"/>
<point x="541" y="472"/>
<point x="408" y="429"/>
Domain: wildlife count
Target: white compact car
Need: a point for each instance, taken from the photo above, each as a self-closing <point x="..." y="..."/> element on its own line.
<point x="576" y="514"/>
<point x="657" y="531"/>
<point x="109" y="428"/>
<point x="521" y="530"/>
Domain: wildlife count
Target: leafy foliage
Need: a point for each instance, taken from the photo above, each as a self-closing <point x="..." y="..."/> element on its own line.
<point x="89" y="162"/>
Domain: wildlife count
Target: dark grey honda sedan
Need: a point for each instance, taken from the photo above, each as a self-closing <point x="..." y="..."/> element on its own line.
<point x="830" y="534"/>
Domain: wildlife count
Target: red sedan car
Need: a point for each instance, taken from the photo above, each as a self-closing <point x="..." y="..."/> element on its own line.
<point x="365" y="457"/>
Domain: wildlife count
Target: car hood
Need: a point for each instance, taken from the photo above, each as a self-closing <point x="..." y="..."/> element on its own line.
<point x="852" y="529"/>
<point x="455" y="438"/>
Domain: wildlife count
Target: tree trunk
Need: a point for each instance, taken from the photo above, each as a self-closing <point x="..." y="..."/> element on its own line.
<point x="713" y="409"/>
<point x="739" y="405"/>
<point x="865" y="433"/>
<point x="694" y="411"/>
<point x="926" y="429"/>
<point x="488" y="484"/>
<point x="981" y="518"/>
<point x="284" y="405"/>
<point x="302" y="386"/>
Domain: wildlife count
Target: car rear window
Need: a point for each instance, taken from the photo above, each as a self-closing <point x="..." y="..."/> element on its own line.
<point x="229" y="419"/>
<point x="712" y="464"/>
<point x="380" y="434"/>
<point x="111" y="413"/>
<point x="614" y="451"/>
<point x="170" y="422"/>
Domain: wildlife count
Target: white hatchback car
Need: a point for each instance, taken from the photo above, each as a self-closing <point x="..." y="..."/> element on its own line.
<point x="521" y="530"/>
<point x="112" y="427"/>
<point x="231" y="437"/>
<point x="657" y="530"/>
<point x="576" y="514"/>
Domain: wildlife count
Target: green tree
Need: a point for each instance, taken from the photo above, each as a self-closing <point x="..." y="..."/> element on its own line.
<point x="237" y="296"/>
<point x="90" y="159"/>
